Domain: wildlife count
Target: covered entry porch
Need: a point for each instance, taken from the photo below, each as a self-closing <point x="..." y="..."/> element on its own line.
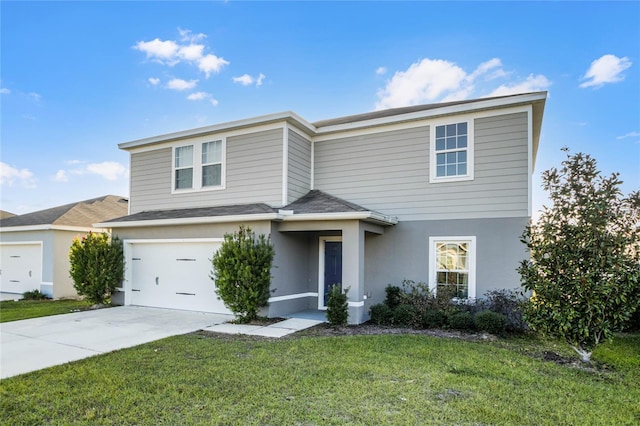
<point x="320" y="243"/>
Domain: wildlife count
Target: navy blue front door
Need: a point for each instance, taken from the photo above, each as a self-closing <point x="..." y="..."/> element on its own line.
<point x="332" y="267"/>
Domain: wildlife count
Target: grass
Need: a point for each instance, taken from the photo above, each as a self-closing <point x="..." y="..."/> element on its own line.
<point x="361" y="380"/>
<point x="11" y="310"/>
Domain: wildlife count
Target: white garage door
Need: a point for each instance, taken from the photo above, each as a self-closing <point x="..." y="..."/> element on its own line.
<point x="174" y="274"/>
<point x="20" y="267"/>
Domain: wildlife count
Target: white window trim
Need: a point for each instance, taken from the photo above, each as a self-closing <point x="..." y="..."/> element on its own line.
<point x="470" y="150"/>
<point x="197" y="167"/>
<point x="471" y="240"/>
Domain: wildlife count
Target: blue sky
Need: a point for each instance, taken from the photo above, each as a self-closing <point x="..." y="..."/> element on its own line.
<point x="77" y="78"/>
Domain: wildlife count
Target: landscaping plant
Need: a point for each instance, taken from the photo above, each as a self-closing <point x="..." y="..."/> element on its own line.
<point x="508" y="303"/>
<point x="242" y="272"/>
<point x="491" y="322"/>
<point x="34" y="295"/>
<point x="584" y="271"/>
<point x="97" y="266"/>
<point x="338" y="307"/>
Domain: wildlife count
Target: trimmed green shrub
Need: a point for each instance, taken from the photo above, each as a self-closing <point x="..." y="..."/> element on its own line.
<point x="491" y="322"/>
<point x="417" y="294"/>
<point x="97" y="266"/>
<point x="393" y="296"/>
<point x="404" y="315"/>
<point x="508" y="303"/>
<point x="337" y="307"/>
<point x="461" y="321"/>
<point x="433" y="318"/>
<point x="34" y="295"/>
<point x="242" y="272"/>
<point x="381" y="314"/>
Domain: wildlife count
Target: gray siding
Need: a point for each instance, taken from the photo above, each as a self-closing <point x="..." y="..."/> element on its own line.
<point x="402" y="252"/>
<point x="299" y="166"/>
<point x="389" y="172"/>
<point x="253" y="174"/>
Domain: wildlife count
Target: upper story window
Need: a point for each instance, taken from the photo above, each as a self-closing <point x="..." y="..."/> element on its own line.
<point x="199" y="166"/>
<point x="452" y="152"/>
<point x="212" y="163"/>
<point x="184" y="167"/>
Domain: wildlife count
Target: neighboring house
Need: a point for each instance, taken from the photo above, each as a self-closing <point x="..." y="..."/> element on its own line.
<point x="435" y="193"/>
<point x="4" y="214"/>
<point x="35" y="246"/>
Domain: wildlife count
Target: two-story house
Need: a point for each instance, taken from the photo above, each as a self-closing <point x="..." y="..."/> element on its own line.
<point x="436" y="193"/>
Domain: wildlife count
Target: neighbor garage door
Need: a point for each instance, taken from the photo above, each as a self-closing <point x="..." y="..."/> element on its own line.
<point x="174" y="274"/>
<point x="20" y="267"/>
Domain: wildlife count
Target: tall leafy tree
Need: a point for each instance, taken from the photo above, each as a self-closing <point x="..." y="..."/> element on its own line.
<point x="584" y="270"/>
<point x="242" y="272"/>
<point x="96" y="266"/>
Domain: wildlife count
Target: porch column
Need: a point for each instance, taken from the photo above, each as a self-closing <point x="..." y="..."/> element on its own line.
<point x="353" y="270"/>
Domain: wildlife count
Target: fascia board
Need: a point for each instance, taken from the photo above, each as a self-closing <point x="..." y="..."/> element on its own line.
<point x="51" y="228"/>
<point x="191" y="220"/>
<point x="449" y="110"/>
<point x="288" y="116"/>
<point x="369" y="216"/>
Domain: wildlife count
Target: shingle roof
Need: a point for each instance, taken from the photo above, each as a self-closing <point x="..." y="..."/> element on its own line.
<point x="398" y="111"/>
<point x="234" y="210"/>
<point x="4" y="214"/>
<point x="316" y="201"/>
<point x="82" y="214"/>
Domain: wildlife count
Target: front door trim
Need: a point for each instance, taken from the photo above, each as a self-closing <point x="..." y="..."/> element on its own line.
<point x="321" y="254"/>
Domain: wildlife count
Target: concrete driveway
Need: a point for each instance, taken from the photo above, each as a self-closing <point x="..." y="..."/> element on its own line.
<point x="33" y="344"/>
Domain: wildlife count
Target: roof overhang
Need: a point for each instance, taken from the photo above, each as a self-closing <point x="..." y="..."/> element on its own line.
<point x="289" y="117"/>
<point x="52" y="228"/>
<point x="368" y="216"/>
<point x="191" y="220"/>
<point x="467" y="107"/>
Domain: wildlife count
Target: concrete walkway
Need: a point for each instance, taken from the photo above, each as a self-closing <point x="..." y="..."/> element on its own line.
<point x="278" y="329"/>
<point x="37" y="343"/>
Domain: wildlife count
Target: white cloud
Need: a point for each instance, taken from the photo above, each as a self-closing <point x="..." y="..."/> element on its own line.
<point x="154" y="81"/>
<point x="198" y="96"/>
<point x="161" y="51"/>
<point x="606" y="69"/>
<point x="531" y="84"/>
<point x="171" y="52"/>
<point x="629" y="135"/>
<point x="109" y="170"/>
<point x="61" y="176"/>
<point x="4" y="91"/>
<point x="438" y="80"/>
<point x="192" y="52"/>
<point x="426" y="80"/>
<point x="247" y="80"/>
<point x="186" y="35"/>
<point x="35" y="96"/>
<point x="211" y="64"/>
<point x="180" y="84"/>
<point x="10" y="175"/>
<point x="381" y="70"/>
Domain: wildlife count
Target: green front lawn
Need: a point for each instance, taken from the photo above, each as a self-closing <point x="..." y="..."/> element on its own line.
<point x="23" y="309"/>
<point x="368" y="380"/>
